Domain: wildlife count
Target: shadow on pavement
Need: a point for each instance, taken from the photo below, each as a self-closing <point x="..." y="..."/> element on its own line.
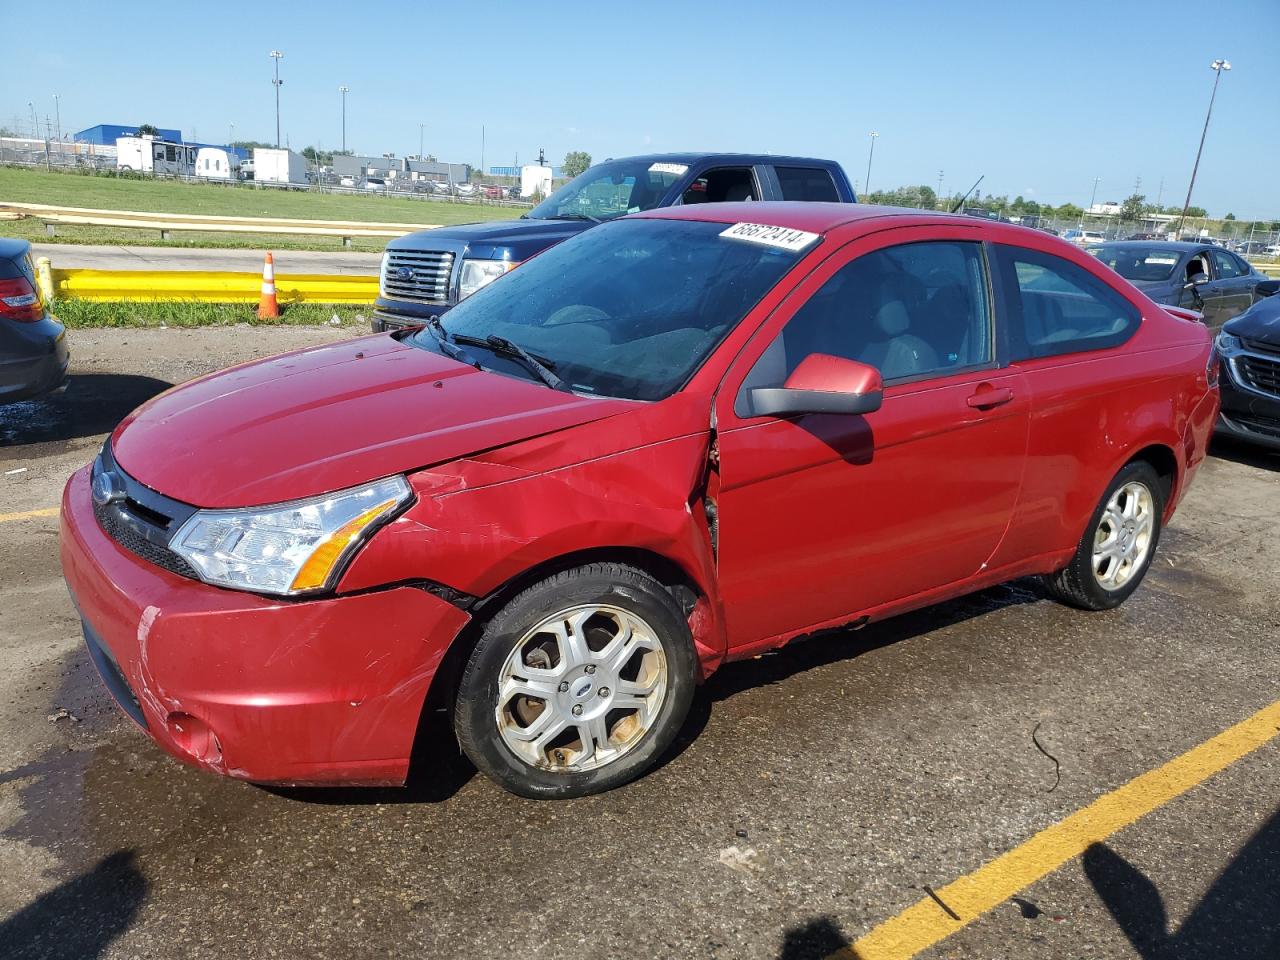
<point x="93" y="403"/>
<point x="816" y="940"/>
<point x="1239" y="916"/>
<point x="79" y="919"/>
<point x="1239" y="452"/>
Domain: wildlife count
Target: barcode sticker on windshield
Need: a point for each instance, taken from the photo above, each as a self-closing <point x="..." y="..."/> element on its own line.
<point x="782" y="237"/>
<point x="675" y="168"/>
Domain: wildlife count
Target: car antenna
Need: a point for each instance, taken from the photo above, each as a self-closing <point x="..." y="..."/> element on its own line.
<point x="960" y="202"/>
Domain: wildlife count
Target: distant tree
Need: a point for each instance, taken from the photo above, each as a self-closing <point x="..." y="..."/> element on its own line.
<point x="575" y="162"/>
<point x="6" y="132"/>
<point x="1132" y="207"/>
<point x="1229" y="216"/>
<point x="1068" y="211"/>
<point x="1196" y="212"/>
<point x="148" y="130"/>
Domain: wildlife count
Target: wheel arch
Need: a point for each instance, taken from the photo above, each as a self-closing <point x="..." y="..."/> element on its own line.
<point x="1164" y="462"/>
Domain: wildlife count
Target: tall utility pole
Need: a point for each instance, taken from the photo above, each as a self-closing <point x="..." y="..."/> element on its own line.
<point x="420" y="127"/>
<point x="344" y="90"/>
<point x="57" y="113"/>
<point x="35" y="121"/>
<point x="1092" y="197"/>
<point x="866" y="184"/>
<point x="276" y="57"/>
<point x="1217" y="67"/>
<point x="940" y="172"/>
<point x="231" y="134"/>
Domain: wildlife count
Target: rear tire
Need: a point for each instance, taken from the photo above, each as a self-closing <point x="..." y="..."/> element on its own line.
<point x="578" y="684"/>
<point x="1115" y="551"/>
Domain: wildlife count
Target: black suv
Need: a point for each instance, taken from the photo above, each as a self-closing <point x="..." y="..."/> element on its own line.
<point x="425" y="273"/>
<point x="33" y="345"/>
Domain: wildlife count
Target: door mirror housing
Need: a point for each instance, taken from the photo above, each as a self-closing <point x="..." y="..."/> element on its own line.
<point x="822" y="384"/>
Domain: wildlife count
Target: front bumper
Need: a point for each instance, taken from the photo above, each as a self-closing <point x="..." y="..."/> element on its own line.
<point x="270" y="690"/>
<point x="1247" y="414"/>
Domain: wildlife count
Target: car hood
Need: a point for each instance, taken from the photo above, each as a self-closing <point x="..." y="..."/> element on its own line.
<point x="330" y="417"/>
<point x="1259" y="322"/>
<point x="520" y="237"/>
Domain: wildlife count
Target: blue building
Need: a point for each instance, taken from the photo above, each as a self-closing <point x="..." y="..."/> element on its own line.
<point x="105" y="134"/>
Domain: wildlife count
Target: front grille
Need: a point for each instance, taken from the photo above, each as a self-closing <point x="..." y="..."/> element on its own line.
<point x="1260" y="373"/>
<point x="1258" y="346"/>
<point x="142" y="520"/>
<point x="418" y="275"/>
<point x="117" y="529"/>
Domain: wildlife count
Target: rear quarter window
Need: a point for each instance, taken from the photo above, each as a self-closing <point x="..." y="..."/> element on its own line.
<point x="812" y="184"/>
<point x="1055" y="307"/>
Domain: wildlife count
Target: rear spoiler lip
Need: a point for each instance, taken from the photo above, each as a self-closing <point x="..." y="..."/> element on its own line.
<point x="1184" y="314"/>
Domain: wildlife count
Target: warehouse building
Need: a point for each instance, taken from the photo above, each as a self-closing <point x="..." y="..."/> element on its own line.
<point x="106" y="134"/>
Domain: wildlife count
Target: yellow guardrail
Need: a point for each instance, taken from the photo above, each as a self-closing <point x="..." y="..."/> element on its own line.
<point x="1270" y="269"/>
<point x="209" y="286"/>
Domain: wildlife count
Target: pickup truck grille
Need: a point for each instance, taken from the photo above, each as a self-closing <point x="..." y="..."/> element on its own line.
<point x="1260" y="373"/>
<point x="421" y="276"/>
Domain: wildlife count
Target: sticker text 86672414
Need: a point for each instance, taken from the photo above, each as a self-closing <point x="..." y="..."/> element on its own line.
<point x="782" y="237"/>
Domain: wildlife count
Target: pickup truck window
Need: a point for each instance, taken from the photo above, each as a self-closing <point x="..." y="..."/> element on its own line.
<point x="721" y="185"/>
<point x="807" y="183"/>
<point x="629" y="309"/>
<point x="609" y="190"/>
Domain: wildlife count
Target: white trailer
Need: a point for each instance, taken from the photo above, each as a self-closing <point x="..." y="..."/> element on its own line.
<point x="215" y="163"/>
<point x="535" y="179"/>
<point x="279" y="166"/>
<point x="148" y="154"/>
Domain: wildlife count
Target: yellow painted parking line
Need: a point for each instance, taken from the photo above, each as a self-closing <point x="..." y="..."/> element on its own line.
<point x="926" y="923"/>
<point x="29" y="514"/>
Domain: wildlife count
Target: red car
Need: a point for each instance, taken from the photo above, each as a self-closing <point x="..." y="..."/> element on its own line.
<point x="676" y="440"/>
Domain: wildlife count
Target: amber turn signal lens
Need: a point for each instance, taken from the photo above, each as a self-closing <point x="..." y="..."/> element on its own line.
<point x="315" y="572"/>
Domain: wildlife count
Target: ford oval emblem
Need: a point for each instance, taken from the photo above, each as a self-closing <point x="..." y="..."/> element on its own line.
<point x="107" y="488"/>
<point x="405" y="273"/>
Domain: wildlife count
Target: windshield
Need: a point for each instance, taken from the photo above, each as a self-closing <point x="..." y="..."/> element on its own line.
<point x="1155" y="262"/>
<point x="611" y="189"/>
<point x="630" y="309"/>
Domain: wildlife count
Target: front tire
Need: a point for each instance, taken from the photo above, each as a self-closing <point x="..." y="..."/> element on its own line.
<point x="578" y="684"/>
<point x="1116" y="550"/>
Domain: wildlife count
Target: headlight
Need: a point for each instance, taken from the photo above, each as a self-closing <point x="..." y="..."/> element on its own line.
<point x="382" y="274"/>
<point x="480" y="273"/>
<point x="1226" y="344"/>
<point x="289" y="548"/>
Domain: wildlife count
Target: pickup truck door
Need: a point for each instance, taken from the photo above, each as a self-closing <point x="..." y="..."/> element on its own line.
<point x="821" y="517"/>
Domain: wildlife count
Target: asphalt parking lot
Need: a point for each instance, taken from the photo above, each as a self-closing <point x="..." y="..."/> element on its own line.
<point x="814" y="794"/>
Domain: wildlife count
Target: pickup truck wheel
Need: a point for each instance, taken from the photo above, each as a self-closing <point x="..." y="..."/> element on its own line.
<point x="578" y="684"/>
<point x="1116" y="550"/>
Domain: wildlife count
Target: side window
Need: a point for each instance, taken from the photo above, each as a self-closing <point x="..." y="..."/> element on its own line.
<point x="722" y="185"/>
<point x="1226" y="264"/>
<point x="1241" y="265"/>
<point x="1058" y="307"/>
<point x="909" y="311"/>
<point x="807" y="183"/>
<point x="1198" y="268"/>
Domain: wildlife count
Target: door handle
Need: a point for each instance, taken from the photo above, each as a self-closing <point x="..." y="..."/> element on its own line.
<point x="985" y="399"/>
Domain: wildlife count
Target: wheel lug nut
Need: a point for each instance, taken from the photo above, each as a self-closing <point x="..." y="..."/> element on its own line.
<point x="604" y="691"/>
<point x="591" y="668"/>
<point x="577" y="709"/>
<point x="564" y="685"/>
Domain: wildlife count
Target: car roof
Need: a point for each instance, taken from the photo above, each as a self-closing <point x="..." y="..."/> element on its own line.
<point x="802" y="215"/>
<point x="1182" y="246"/>
<point x="12" y="248"/>
<point x="691" y="158"/>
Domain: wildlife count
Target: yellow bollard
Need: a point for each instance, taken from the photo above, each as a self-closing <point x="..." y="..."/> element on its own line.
<point x="44" y="276"/>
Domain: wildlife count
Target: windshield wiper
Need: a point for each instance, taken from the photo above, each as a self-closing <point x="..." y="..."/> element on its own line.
<point x="442" y="337"/>
<point x="540" y="366"/>
<point x="576" y="216"/>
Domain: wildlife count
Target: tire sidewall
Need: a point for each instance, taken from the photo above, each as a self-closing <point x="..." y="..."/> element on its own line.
<point x="1101" y="598"/>
<point x="478" y="687"/>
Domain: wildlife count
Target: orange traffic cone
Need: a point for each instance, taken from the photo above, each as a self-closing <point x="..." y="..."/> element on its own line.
<point x="268" y="308"/>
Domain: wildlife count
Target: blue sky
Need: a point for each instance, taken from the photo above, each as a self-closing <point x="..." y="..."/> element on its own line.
<point x="1039" y="96"/>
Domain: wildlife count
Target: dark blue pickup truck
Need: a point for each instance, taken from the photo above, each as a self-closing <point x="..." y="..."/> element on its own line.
<point x="425" y="273"/>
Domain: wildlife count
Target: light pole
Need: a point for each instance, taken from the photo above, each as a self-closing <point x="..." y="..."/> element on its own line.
<point x="866" y="184"/>
<point x="1217" y="67"/>
<point x="1092" y="197"/>
<point x="420" y="126"/>
<point x="276" y="57"/>
<point x="57" y="113"/>
<point x="231" y="135"/>
<point x="35" y="122"/>
<point x="344" y="89"/>
<point x="940" y="173"/>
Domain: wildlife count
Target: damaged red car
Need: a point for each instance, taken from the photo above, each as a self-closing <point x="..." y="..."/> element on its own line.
<point x="679" y="439"/>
